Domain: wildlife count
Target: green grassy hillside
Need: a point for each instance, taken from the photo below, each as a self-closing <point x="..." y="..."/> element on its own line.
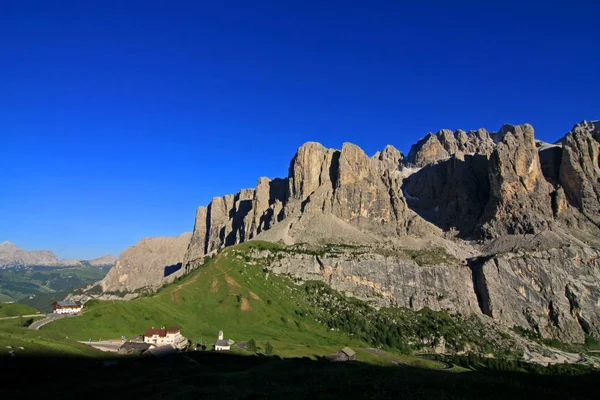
<point x="244" y="301"/>
<point x="237" y="294"/>
<point x="14" y="309"/>
<point x="14" y="336"/>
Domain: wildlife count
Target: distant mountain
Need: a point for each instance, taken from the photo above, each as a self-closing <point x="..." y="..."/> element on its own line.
<point x="13" y="256"/>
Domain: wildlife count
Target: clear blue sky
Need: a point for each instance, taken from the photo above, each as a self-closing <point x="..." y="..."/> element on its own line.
<point x="119" y="118"/>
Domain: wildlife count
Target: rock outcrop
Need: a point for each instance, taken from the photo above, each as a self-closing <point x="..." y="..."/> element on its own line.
<point x="149" y="264"/>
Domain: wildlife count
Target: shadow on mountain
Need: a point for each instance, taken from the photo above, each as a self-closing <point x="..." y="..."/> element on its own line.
<point x="230" y="376"/>
<point x="451" y="194"/>
<point x="171" y="269"/>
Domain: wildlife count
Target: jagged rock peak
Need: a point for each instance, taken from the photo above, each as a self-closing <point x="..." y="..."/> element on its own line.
<point x="390" y="158"/>
<point x="445" y="143"/>
<point x="310" y="168"/>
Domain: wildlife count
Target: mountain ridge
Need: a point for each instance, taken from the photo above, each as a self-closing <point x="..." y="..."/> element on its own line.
<point x="521" y="222"/>
<point x="12" y="255"/>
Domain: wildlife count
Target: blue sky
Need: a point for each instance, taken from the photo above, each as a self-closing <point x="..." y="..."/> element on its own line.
<point x="119" y="118"/>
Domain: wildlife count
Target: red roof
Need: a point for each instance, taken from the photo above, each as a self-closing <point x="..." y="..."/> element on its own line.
<point x="161" y="332"/>
<point x="155" y="331"/>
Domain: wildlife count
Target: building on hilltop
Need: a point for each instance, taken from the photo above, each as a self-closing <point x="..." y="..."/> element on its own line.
<point x="165" y="336"/>
<point x="222" y="344"/>
<point x="345" y="354"/>
<point x="67" y="307"/>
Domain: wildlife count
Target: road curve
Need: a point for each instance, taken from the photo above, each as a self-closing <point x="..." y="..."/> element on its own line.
<point x="397" y="361"/>
<point x="381" y="354"/>
<point x="49" y="318"/>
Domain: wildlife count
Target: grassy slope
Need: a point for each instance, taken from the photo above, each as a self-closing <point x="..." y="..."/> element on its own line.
<point x="225" y="294"/>
<point x="11" y="310"/>
<point x="38" y="343"/>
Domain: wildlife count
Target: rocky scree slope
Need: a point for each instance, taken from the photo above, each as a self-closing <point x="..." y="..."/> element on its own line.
<point x="495" y="224"/>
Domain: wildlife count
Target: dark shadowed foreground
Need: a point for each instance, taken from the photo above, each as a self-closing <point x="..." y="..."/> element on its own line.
<point x="229" y="376"/>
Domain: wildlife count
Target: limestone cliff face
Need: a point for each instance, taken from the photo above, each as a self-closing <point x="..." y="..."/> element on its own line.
<point x="233" y="219"/>
<point x="520" y="198"/>
<point x="310" y="169"/>
<point x="149" y="264"/>
<point x="580" y="169"/>
<point x="355" y="192"/>
<point x="554" y="292"/>
<point x="452" y="193"/>
<point x="387" y="279"/>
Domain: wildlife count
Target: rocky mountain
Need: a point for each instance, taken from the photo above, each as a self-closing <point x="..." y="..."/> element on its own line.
<point x="148" y="264"/>
<point x="495" y="224"/>
<point x="11" y="255"/>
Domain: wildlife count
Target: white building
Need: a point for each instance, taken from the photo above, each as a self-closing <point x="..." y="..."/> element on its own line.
<point x="165" y="336"/>
<point x="223" y="344"/>
<point x="67" y="307"/>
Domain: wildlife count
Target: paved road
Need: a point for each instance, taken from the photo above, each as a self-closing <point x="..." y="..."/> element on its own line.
<point x="397" y="361"/>
<point x="24" y="316"/>
<point x="49" y="318"/>
<point x="381" y="354"/>
<point x="105" y="345"/>
<point x="446" y="364"/>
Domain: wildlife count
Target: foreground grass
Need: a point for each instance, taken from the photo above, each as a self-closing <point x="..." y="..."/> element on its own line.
<point x="14" y="335"/>
<point x="229" y="376"/>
